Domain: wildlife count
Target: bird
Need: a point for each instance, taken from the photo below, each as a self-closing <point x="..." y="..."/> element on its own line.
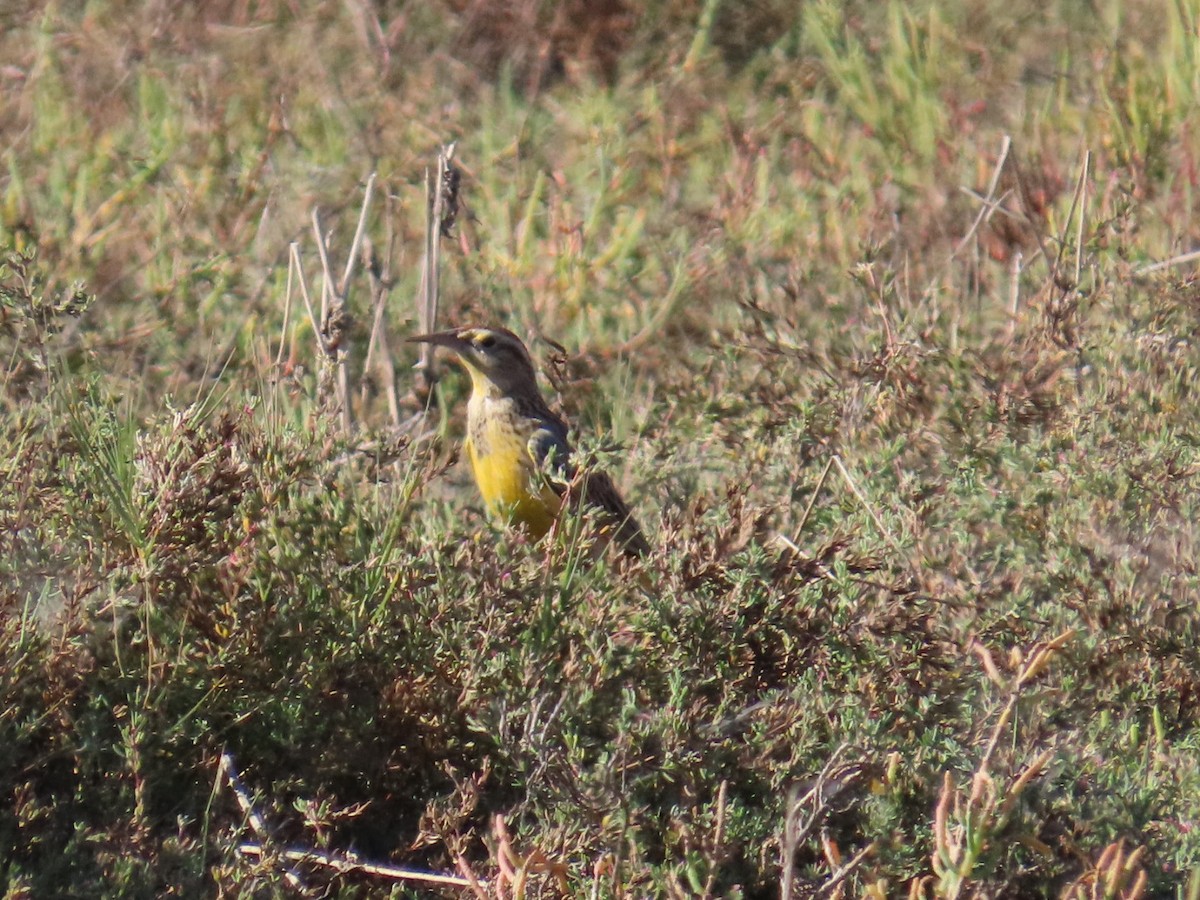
<point x="518" y="447"/>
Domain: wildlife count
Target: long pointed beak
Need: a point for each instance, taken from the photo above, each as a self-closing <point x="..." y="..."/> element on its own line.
<point x="448" y="339"/>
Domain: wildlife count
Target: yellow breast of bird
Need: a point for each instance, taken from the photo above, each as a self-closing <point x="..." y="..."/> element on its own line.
<point x="513" y="490"/>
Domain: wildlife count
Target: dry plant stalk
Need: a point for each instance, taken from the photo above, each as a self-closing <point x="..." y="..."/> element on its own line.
<point x="339" y="862"/>
<point x="331" y="320"/>
<point x="332" y="327"/>
<point x="887" y="535"/>
<point x="441" y="207"/>
<point x="228" y="769"/>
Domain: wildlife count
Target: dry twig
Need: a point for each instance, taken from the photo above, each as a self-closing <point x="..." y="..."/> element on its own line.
<point x="435" y="213"/>
<point x="340" y="862"/>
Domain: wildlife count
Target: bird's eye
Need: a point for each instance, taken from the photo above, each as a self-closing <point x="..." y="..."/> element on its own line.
<point x="487" y="341"/>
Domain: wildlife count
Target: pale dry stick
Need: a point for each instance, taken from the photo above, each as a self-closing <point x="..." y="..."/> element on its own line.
<point x="339" y="862"/>
<point x="812" y="501"/>
<point x="343" y="287"/>
<point x="1182" y="259"/>
<point x="333" y="293"/>
<point x="323" y="254"/>
<point x="327" y="280"/>
<point x="343" y="393"/>
<point x="430" y="284"/>
<point x="379" y="291"/>
<point x="229" y="770"/>
<point x="994" y="205"/>
<point x="379" y="276"/>
<point x="376" y="325"/>
<point x="975" y="282"/>
<point x="837" y="461"/>
<point x="1016" y="217"/>
<point x="434" y="212"/>
<point x="829" y="888"/>
<point x="287" y="310"/>
<point x="989" y="206"/>
<point x="1087" y="163"/>
<point x="347" y="863"/>
<point x="312" y="316"/>
<point x="914" y="300"/>
<point x="379" y="280"/>
<point x="444" y="162"/>
<point x="1014" y="294"/>
<point x="1076" y="203"/>
<point x="333" y="321"/>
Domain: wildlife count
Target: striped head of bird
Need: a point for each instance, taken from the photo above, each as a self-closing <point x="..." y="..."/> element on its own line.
<point x="495" y="358"/>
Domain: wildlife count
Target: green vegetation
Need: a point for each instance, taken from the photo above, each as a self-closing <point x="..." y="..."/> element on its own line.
<point x="879" y="313"/>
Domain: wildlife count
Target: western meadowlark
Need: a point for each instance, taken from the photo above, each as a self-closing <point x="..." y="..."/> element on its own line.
<point x="518" y="447"/>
